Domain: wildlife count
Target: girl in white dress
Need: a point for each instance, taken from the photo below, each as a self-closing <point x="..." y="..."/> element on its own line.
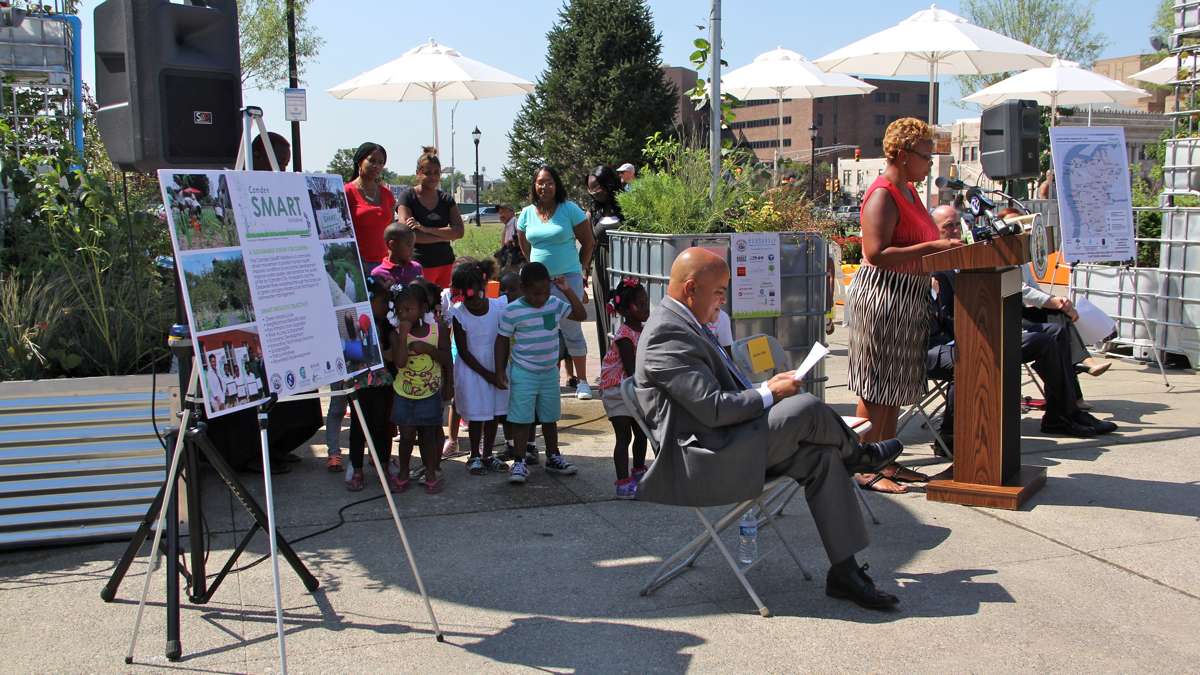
<point x="476" y="321"/>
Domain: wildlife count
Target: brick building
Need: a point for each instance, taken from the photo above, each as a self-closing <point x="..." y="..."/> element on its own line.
<point x="840" y="120"/>
<point x="1121" y="67"/>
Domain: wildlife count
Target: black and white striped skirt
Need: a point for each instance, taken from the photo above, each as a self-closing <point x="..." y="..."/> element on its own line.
<point x="890" y="314"/>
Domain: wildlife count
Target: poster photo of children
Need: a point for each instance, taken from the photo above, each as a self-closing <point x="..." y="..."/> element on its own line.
<point x="232" y="372"/>
<point x="360" y="342"/>
<point x="200" y="210"/>
<point x="217" y="288"/>
<point x="347" y="284"/>
<point x="328" y="197"/>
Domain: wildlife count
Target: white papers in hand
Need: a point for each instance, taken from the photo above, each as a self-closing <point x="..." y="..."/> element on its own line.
<point x="818" y="352"/>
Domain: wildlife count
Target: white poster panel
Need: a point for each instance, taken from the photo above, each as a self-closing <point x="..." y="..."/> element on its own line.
<point x="755" y="266"/>
<point x="266" y="290"/>
<point x="1091" y="175"/>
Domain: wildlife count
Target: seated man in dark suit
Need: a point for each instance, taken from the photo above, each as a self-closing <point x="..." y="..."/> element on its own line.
<point x="720" y="437"/>
<point x="1047" y="346"/>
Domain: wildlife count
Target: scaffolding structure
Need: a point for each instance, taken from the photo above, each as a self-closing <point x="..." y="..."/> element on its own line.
<point x="40" y="80"/>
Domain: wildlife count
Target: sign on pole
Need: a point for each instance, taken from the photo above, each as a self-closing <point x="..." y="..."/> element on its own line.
<point x="272" y="280"/>
<point x="295" y="105"/>
<point x="754" y="261"/>
<point x="1095" y="206"/>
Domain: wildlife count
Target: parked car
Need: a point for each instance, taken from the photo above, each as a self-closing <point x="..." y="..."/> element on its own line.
<point x="847" y="213"/>
<point x="488" y="214"/>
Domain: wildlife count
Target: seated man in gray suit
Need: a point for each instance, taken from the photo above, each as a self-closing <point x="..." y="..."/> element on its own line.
<point x="721" y="436"/>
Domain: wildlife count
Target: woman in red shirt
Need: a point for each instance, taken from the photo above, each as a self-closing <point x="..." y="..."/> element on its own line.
<point x="371" y="203"/>
<point x="889" y="302"/>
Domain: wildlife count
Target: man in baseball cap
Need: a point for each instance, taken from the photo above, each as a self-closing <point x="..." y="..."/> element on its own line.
<point x="627" y="173"/>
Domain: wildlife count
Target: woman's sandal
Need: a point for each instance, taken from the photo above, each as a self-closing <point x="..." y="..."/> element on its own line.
<point x="874" y="484"/>
<point x="903" y="474"/>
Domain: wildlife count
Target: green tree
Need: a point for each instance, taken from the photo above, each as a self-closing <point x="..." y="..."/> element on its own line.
<point x="601" y="95"/>
<point x="1065" y="28"/>
<point x="1164" y="22"/>
<point x="262" y="26"/>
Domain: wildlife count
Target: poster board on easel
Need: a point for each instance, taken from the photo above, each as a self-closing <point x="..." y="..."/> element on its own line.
<point x="273" y="284"/>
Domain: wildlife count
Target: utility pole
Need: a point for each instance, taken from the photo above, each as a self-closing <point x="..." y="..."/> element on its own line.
<point x="293" y="80"/>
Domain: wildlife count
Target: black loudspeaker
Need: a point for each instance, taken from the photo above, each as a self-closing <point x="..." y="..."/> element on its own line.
<point x="168" y="83"/>
<point x="1009" y="140"/>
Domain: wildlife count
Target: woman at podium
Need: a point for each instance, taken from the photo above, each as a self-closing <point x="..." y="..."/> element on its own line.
<point x="889" y="302"/>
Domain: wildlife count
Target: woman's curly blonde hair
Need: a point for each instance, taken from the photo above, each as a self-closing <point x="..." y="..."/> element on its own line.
<point x="904" y="134"/>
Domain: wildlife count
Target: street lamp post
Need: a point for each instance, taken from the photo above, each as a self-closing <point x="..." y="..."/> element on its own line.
<point x="812" y="161"/>
<point x="475" y="135"/>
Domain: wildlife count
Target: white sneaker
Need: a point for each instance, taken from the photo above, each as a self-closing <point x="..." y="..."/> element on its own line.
<point x="583" y="391"/>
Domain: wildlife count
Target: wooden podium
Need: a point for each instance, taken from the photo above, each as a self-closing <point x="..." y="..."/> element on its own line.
<point x="987" y="375"/>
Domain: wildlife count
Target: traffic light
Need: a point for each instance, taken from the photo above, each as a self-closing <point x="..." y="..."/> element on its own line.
<point x="837" y="185"/>
<point x="857" y="154"/>
<point x="828" y="185"/>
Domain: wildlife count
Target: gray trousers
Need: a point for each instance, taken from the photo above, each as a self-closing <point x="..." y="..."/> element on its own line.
<point x="809" y="442"/>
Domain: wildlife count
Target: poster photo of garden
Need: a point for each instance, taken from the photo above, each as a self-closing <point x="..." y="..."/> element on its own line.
<point x="200" y="210"/>
<point x="347" y="284"/>
<point x="217" y="288"/>
<point x="328" y="197"/>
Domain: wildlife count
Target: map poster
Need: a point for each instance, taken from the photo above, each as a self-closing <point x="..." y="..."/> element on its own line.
<point x="754" y="261"/>
<point x="273" y="287"/>
<point x="1091" y="174"/>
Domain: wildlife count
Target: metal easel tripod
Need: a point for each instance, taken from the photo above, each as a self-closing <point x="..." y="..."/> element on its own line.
<point x="187" y="442"/>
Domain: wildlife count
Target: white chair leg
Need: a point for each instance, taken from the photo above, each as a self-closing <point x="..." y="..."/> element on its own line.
<point x="716" y="540"/>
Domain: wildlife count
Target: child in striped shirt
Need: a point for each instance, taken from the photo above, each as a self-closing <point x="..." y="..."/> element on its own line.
<point x="529" y="331"/>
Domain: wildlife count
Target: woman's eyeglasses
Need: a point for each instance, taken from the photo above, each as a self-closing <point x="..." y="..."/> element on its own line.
<point x="927" y="158"/>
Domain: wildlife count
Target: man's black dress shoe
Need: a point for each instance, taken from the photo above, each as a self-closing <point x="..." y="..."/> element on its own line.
<point x="874" y="456"/>
<point x="1086" y="419"/>
<point x="1065" y="426"/>
<point x="854" y="585"/>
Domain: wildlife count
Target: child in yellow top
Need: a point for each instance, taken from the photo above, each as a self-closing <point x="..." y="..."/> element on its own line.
<point x="421" y="353"/>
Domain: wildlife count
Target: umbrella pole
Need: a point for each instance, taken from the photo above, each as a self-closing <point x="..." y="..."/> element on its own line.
<point x="779" y="147"/>
<point x="433" y="91"/>
<point x="1089" y="114"/>
<point x="714" y="100"/>
<point x="932" y="83"/>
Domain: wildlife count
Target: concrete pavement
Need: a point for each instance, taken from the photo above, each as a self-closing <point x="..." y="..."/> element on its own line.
<point x="1095" y="574"/>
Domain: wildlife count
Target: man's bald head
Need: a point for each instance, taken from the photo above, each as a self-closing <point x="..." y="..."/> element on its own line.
<point x="946" y="219"/>
<point x="699" y="278"/>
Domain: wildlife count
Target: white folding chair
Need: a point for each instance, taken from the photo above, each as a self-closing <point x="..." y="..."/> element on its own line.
<point x="685" y="558"/>
<point x="769" y="364"/>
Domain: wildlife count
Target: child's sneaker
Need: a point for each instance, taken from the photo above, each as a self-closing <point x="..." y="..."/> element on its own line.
<point x="475" y="466"/>
<point x="507" y="454"/>
<point x="559" y="464"/>
<point x="627" y="488"/>
<point x="531" y="455"/>
<point x="395" y="484"/>
<point x="518" y="473"/>
<point x="433" y="487"/>
<point x="492" y="463"/>
<point x="356" y="483"/>
<point x="637" y="473"/>
<point x="583" y="391"/>
<point x="418" y="473"/>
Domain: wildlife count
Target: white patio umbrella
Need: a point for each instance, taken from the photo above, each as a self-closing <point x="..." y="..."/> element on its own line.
<point x="1162" y="72"/>
<point x="782" y="73"/>
<point x="428" y="72"/>
<point x="1061" y="83"/>
<point x="934" y="42"/>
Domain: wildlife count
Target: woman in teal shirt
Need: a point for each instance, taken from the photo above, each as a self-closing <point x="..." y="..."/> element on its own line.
<point x="556" y="233"/>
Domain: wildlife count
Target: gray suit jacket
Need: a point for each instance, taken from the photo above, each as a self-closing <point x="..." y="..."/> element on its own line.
<point x="711" y="434"/>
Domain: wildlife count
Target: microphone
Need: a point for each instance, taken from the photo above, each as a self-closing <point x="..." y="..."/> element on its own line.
<point x="949" y="183"/>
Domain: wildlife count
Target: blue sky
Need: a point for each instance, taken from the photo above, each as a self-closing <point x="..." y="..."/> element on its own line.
<point x="361" y="34"/>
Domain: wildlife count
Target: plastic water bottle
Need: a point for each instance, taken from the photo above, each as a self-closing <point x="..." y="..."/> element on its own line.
<point x="748" y="538"/>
